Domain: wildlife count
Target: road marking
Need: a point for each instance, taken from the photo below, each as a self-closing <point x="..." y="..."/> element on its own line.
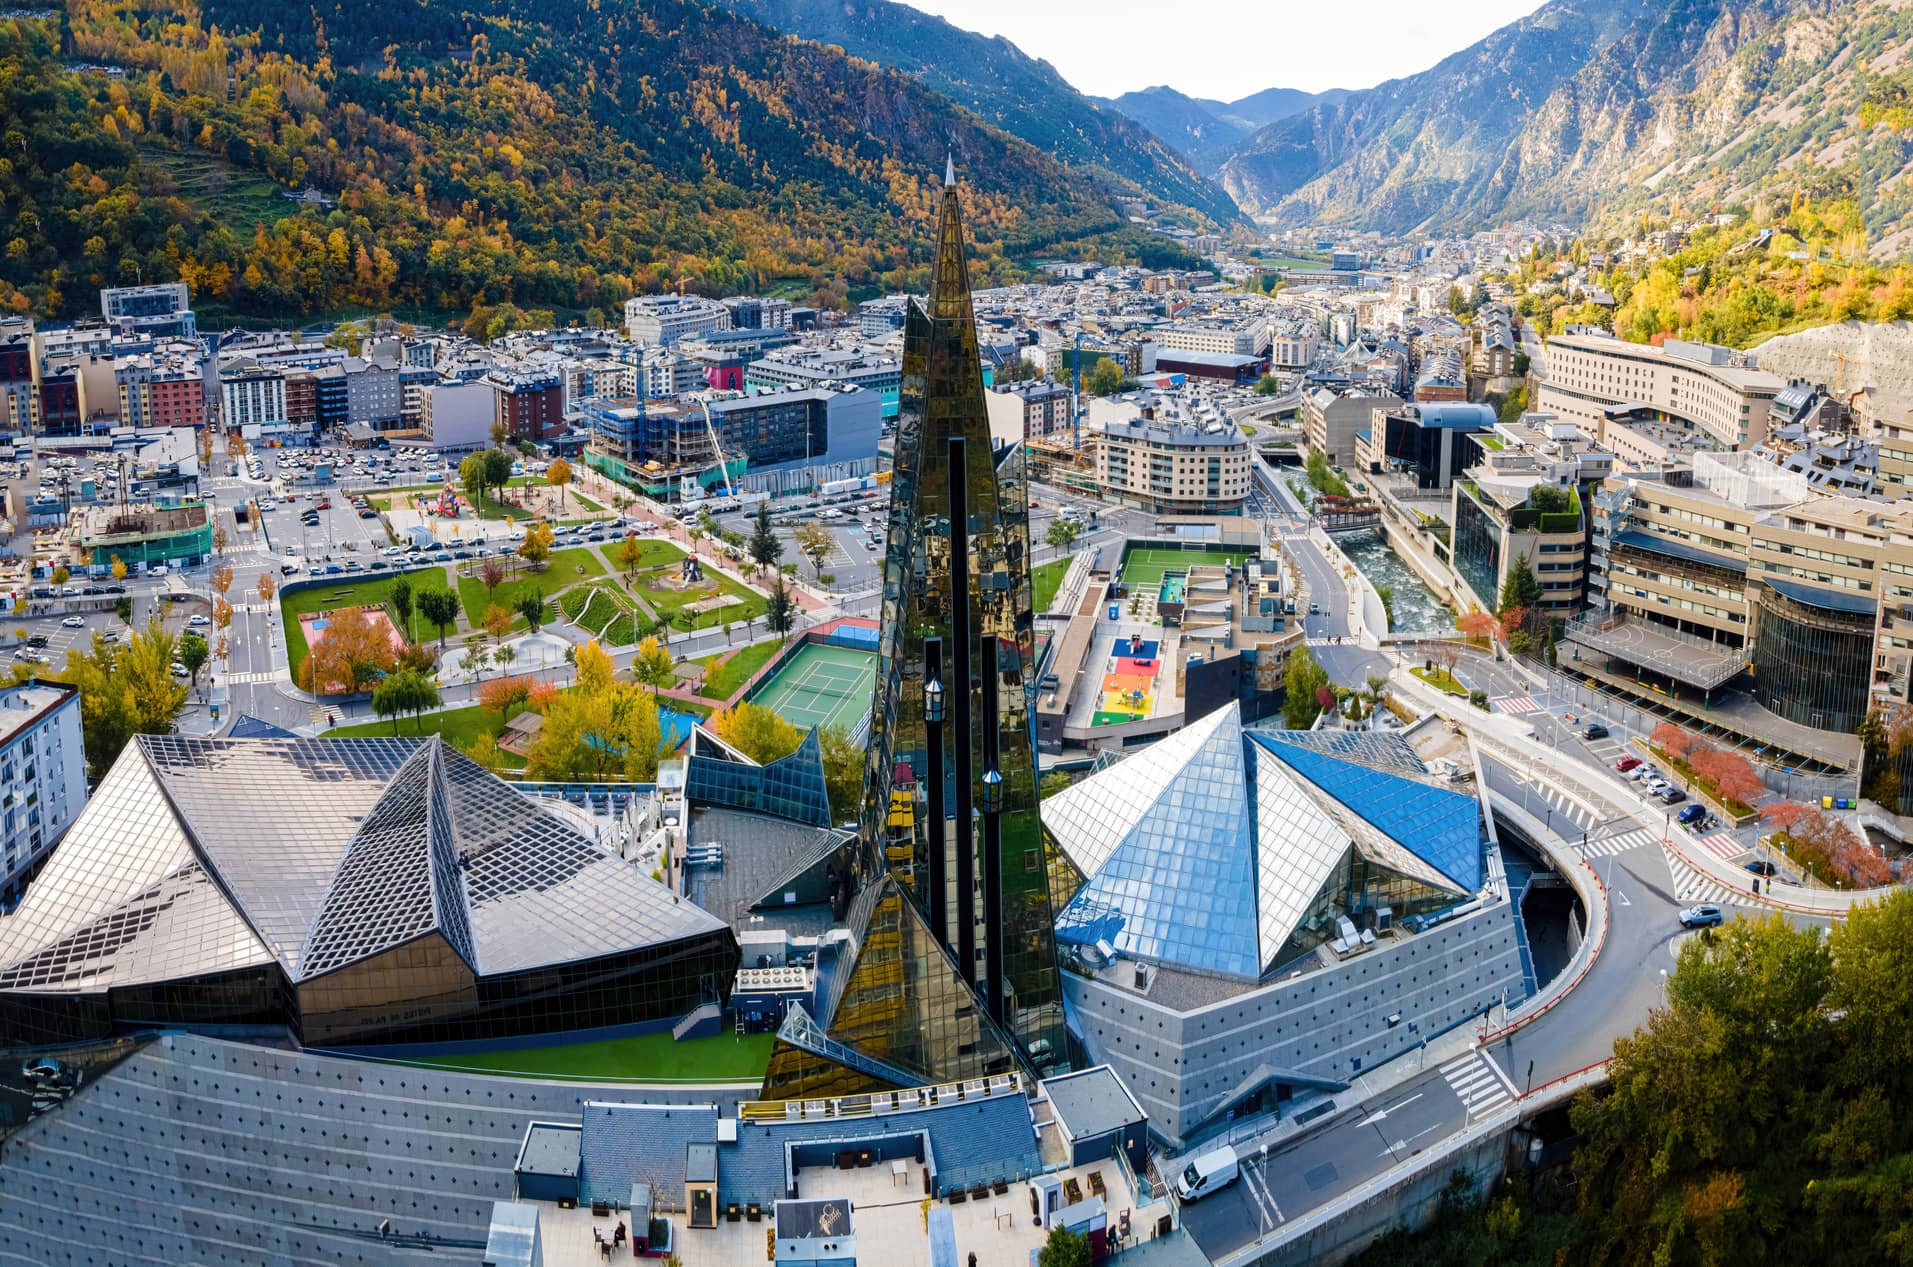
<point x="1379" y="1114"/>
<point x="1477" y="1083"/>
<point x="1608" y="846"/>
<point x="1401" y="1145"/>
<point x="1722" y="846"/>
<point x="1259" y="1191"/>
<point x="1691" y="887"/>
<point x="1500" y="1073"/>
<point x="1517" y="704"/>
<point x="1621" y="898"/>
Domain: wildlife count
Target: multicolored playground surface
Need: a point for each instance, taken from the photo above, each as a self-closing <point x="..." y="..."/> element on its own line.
<point x="1129" y="682"/>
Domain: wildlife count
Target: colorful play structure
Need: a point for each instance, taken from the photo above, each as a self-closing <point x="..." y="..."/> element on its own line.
<point x="446" y="507"/>
<point x="1129" y="682"/>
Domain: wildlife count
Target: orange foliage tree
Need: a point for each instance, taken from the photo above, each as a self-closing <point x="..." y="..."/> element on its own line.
<point x="353" y="652"/>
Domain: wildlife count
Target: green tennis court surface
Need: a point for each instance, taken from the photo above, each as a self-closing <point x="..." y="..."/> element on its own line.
<point x="822" y="686"/>
<point x="1144" y="566"/>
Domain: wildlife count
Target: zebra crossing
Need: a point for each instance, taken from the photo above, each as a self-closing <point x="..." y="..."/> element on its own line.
<point x="1608" y="846"/>
<point x="257" y="677"/>
<point x="1558" y="802"/>
<point x="1722" y="846"/>
<point x="1478" y="1083"/>
<point x="1690" y="886"/>
<point x="1516" y="704"/>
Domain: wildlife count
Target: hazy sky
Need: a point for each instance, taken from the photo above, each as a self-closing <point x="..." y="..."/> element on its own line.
<point x="1230" y="48"/>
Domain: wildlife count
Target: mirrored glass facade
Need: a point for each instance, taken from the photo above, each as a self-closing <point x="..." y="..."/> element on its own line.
<point x="1813" y="654"/>
<point x="791" y="787"/>
<point x="950" y="805"/>
<point x="351" y="891"/>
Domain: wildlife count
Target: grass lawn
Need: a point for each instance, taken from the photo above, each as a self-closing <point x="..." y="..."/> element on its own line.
<point x="562" y="571"/>
<point x="1442" y="680"/>
<point x="352" y="592"/>
<point x="650" y="584"/>
<point x="1144" y="566"/>
<point x="721" y="682"/>
<point x="1045" y="580"/>
<point x="644" y="1058"/>
<point x="459" y="727"/>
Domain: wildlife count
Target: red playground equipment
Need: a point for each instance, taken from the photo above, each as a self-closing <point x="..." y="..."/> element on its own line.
<point x="447" y="505"/>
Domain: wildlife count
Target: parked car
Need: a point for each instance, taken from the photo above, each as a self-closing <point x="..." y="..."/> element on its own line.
<point x="198" y="620"/>
<point x="1706" y="915"/>
<point x="1595" y="731"/>
<point x="1627" y="763"/>
<point x="368" y="514"/>
<point x="1672" y="795"/>
<point x="1692" y="816"/>
<point x="1760" y="867"/>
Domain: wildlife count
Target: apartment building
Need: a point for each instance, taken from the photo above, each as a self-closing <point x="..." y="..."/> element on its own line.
<point x="456" y="417"/>
<point x="1717" y="393"/>
<point x="529" y="404"/>
<point x="1172" y="468"/>
<point x="1332" y="419"/>
<point x="251" y="394"/>
<point x="42" y="776"/>
<point x="17" y="391"/>
<point x="1518" y="506"/>
<point x="372" y="397"/>
<point x="1031" y="410"/>
<point x="800" y="367"/>
<point x="659" y="320"/>
<point x="160" y="390"/>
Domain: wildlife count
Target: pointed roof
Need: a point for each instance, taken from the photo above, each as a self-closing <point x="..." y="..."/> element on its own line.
<point x="1211" y="848"/>
<point x="200" y="856"/>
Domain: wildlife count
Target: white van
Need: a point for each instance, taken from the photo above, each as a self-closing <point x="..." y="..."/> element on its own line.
<point x="1210" y="1172"/>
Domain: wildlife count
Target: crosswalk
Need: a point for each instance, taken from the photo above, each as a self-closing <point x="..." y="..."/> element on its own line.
<point x="1609" y="846"/>
<point x="256" y="677"/>
<point x="1690" y="886"/>
<point x="1330" y="642"/>
<point x="1478" y="1083"/>
<point x="1562" y="810"/>
<point x="1722" y="846"/>
<point x="1516" y="704"/>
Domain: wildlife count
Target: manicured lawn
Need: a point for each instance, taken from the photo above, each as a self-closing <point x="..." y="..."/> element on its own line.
<point x="645" y="1058"/>
<point x="459" y="727"/>
<point x="656" y="586"/>
<point x="562" y="571"/>
<point x="1442" y="680"/>
<point x="344" y="591"/>
<point x="1045" y="580"/>
<point x="721" y="682"/>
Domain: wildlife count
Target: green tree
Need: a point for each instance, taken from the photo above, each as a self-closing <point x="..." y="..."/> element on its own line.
<point x="1268" y="385"/>
<point x="472" y="477"/>
<point x="843" y="773"/>
<point x="402" y="605"/>
<point x="193" y="654"/>
<point x="440" y="607"/>
<point x="1514" y="404"/>
<point x="1062" y="533"/>
<point x="498" y="464"/>
<point x="766" y="546"/>
<point x="781" y="609"/>
<point x="531" y="605"/>
<point x="1105" y="378"/>
<point x="1520" y="589"/>
<point x="756" y="731"/>
<point x="814" y="542"/>
<point x="1064" y="1248"/>
<point x="406" y="691"/>
<point x="1303" y="679"/>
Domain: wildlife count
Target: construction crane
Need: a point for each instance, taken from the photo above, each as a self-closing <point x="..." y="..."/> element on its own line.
<point x="723" y="467"/>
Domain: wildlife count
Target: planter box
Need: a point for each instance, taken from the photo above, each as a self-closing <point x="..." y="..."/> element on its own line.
<point x="1646" y="752"/>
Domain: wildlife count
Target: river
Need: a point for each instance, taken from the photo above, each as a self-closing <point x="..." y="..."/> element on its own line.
<point x="1416" y="609"/>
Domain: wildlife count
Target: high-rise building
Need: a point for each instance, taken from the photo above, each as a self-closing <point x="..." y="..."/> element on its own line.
<point x="952" y="969"/>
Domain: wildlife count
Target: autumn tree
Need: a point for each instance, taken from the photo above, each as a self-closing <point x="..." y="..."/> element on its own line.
<point x="594" y="668"/>
<point x="220" y="539"/>
<point x="630" y="555"/>
<point x="558" y="475"/>
<point x="843" y="773"/>
<point x="485" y="752"/>
<point x="491" y="574"/>
<point x="594" y="734"/>
<point x="61" y="574"/>
<point x="266" y="587"/>
<point x="814" y="542"/>
<point x="496" y="622"/>
<point x="536" y="547"/>
<point x="654" y="665"/>
<point x="502" y="694"/>
<point x="125" y="690"/>
<point x="756" y="731"/>
<point x="119" y="568"/>
<point x="221" y="579"/>
<point x="351" y="653"/>
<point x="1478" y="626"/>
<point x="1731" y="774"/>
<point x="1672" y="740"/>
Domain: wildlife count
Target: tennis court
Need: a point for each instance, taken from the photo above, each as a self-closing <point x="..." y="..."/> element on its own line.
<point x="1145" y="566"/>
<point x="822" y="686"/>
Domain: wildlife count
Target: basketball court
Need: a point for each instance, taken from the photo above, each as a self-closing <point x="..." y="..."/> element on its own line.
<point x="822" y="686"/>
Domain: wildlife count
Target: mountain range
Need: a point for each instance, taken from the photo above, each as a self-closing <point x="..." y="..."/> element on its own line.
<point x="1209" y="131"/>
<point x="1590" y="110"/>
<point x="1008" y="88"/>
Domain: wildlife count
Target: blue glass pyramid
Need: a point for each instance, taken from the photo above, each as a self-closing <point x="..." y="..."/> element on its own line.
<point x="1440" y="827"/>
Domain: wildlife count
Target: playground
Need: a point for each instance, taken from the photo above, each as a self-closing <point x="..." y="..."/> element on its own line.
<point x="821" y="686"/>
<point x="1129" y="682"/>
<point x="313" y="626"/>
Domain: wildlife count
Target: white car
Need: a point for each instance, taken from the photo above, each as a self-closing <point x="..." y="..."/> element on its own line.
<point x="179" y="670"/>
<point x="392" y="552"/>
<point x="199" y="620"/>
<point x="73" y="622"/>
